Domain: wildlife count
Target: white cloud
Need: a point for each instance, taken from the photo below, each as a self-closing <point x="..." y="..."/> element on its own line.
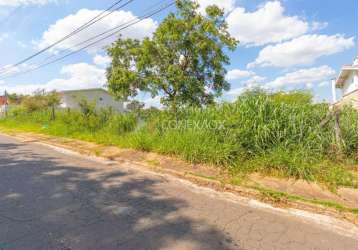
<point x="254" y="81"/>
<point x="9" y="69"/>
<point x="22" y="45"/>
<point x="25" y="2"/>
<point x="309" y="85"/>
<point x="3" y="36"/>
<point x="101" y="60"/>
<point x="323" y="84"/>
<point x="307" y="77"/>
<point x="303" y="50"/>
<point x="236" y="74"/>
<point x="236" y="91"/>
<point x="267" y="24"/>
<point x="227" y="5"/>
<point x="69" y="23"/>
<point x="75" y="76"/>
<point x="78" y="76"/>
<point x="318" y="26"/>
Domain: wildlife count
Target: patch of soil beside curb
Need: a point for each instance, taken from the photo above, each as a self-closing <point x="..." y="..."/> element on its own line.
<point x="209" y="176"/>
<point x="345" y="196"/>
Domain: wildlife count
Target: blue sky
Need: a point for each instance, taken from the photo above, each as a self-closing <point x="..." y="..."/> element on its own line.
<point x="288" y="44"/>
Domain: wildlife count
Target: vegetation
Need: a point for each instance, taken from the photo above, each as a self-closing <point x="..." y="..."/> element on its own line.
<point x="135" y="106"/>
<point x="39" y="100"/>
<point x="272" y="133"/>
<point x="183" y="62"/>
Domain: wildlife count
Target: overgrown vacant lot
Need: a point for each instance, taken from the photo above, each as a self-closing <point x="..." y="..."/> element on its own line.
<point x="275" y="134"/>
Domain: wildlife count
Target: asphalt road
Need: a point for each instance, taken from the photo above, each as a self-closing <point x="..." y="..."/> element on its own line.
<point x="51" y="200"/>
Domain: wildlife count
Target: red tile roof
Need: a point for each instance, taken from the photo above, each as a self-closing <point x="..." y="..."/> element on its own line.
<point x="3" y="100"/>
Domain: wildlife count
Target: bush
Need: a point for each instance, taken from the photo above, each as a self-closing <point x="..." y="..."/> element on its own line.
<point x="122" y="123"/>
<point x="276" y="133"/>
<point x="349" y="126"/>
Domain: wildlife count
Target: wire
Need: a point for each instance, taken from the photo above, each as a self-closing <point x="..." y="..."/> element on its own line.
<point x="127" y="25"/>
<point x="92" y="21"/>
<point x="103" y="33"/>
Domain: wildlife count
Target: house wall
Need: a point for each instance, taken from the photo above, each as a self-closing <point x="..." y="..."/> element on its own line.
<point x="101" y="98"/>
<point x="349" y="99"/>
<point x="351" y="84"/>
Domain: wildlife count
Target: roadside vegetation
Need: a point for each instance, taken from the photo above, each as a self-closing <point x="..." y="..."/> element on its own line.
<point x="271" y="133"/>
<point x="184" y="63"/>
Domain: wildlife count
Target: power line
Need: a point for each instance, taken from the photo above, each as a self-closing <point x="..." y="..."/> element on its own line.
<point x="123" y="26"/>
<point x="77" y="30"/>
<point x="92" y="21"/>
<point x="105" y="32"/>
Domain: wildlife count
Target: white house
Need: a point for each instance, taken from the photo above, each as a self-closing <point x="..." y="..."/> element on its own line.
<point x="102" y="99"/>
<point x="347" y="81"/>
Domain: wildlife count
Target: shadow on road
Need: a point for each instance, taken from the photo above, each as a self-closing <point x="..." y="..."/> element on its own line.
<point x="58" y="203"/>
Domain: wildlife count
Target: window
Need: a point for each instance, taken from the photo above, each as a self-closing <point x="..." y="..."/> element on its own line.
<point x="100" y="99"/>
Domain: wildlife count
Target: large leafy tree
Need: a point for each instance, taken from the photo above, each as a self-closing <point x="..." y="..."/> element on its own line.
<point x="183" y="62"/>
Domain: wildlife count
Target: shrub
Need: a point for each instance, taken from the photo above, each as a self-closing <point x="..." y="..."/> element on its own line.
<point x="122" y="123"/>
<point x="273" y="133"/>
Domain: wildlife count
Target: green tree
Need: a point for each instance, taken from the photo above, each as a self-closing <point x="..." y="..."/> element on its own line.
<point x="15" y="99"/>
<point x="42" y="100"/>
<point x="183" y="62"/>
<point x="35" y="102"/>
<point x="53" y="99"/>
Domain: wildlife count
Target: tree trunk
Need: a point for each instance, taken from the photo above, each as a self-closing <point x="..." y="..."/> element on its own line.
<point x="174" y="107"/>
<point x="53" y="114"/>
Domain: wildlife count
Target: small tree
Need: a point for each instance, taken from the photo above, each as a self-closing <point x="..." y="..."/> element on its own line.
<point x="87" y="108"/>
<point x="183" y="62"/>
<point x="52" y="101"/>
<point x="15" y="99"/>
<point x="34" y="102"/>
<point x="42" y="100"/>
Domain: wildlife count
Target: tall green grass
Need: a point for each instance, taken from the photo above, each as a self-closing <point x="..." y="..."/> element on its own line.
<point x="276" y="134"/>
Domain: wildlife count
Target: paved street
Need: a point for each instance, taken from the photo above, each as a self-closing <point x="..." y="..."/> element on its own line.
<point x="50" y="200"/>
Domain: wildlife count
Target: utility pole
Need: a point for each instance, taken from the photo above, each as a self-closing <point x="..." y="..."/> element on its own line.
<point x="6" y="104"/>
<point x="334" y="113"/>
<point x="334" y="95"/>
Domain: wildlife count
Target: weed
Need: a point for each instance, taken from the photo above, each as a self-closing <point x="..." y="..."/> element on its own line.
<point x="275" y="134"/>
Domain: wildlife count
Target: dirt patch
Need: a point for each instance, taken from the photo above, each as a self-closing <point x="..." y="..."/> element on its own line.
<point x="345" y="196"/>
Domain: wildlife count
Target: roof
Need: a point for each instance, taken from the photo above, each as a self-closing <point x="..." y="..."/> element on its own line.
<point x="345" y="72"/>
<point x="83" y="90"/>
<point x="3" y="100"/>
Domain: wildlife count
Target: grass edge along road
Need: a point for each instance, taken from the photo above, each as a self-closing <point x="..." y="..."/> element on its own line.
<point x="274" y="197"/>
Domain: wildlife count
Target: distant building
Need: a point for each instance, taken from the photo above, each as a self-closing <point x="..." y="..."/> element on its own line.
<point x="347" y="81"/>
<point x="101" y="98"/>
<point x="3" y="105"/>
